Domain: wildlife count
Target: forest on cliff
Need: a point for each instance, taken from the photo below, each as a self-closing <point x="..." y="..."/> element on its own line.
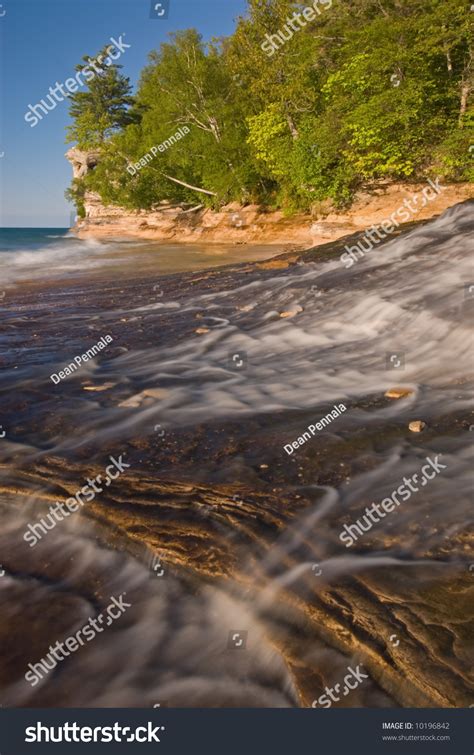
<point x="295" y="108"/>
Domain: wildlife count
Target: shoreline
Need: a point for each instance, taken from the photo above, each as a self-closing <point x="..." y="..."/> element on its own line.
<point x="252" y="224"/>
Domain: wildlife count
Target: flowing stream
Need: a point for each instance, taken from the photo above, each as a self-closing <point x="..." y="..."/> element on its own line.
<point x="210" y="374"/>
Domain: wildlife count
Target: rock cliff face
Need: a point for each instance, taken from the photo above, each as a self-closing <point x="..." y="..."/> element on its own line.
<point x="251" y="224"/>
<point x="183" y="222"/>
<point x="82" y="162"/>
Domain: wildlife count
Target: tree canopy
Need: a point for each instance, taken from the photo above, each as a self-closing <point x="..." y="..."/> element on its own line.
<point x="368" y="90"/>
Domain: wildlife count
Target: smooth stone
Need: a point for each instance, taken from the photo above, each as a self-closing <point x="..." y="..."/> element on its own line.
<point x="398" y="392"/>
<point x="417" y="426"/>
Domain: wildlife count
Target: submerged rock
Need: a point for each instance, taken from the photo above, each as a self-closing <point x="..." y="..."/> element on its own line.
<point x="102" y="387"/>
<point x="292" y="312"/>
<point x="140" y="398"/>
<point x="417" y="426"/>
<point x="399" y="392"/>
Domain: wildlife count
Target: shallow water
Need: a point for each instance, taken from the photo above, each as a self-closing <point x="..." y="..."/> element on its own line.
<point x="46" y="254"/>
<point x="250" y="535"/>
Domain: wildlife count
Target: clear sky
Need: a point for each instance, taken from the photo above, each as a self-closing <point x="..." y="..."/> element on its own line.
<point x="41" y="42"/>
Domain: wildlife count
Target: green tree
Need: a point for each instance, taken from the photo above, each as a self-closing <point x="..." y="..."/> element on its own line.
<point x="104" y="107"/>
<point x="366" y="91"/>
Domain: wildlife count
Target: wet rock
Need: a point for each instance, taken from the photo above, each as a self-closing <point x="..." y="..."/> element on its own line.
<point x="155" y="392"/>
<point x="98" y="388"/>
<point x="292" y="312"/>
<point x="399" y="392"/>
<point x="417" y="426"/>
<point x="277" y="263"/>
<point x="132" y="402"/>
<point x="140" y="398"/>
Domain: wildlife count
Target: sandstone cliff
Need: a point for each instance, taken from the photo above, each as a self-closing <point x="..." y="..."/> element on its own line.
<point x="252" y="224"/>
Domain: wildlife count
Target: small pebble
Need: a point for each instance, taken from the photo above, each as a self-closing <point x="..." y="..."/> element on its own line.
<point x="103" y="387"/>
<point x="291" y="312"/>
<point x="398" y="392"/>
<point x="417" y="426"/>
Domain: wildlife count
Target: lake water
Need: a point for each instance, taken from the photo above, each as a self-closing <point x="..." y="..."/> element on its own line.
<point x="29" y="254"/>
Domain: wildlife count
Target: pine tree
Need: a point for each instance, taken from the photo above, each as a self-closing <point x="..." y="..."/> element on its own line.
<point x="105" y="107"/>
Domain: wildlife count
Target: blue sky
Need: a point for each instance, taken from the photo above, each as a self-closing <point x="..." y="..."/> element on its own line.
<point x="41" y="41"/>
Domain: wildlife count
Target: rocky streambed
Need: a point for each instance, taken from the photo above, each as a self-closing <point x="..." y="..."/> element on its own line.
<point x="241" y="592"/>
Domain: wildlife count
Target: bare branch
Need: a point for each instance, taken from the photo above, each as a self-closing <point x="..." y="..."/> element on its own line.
<point x="189" y="186"/>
